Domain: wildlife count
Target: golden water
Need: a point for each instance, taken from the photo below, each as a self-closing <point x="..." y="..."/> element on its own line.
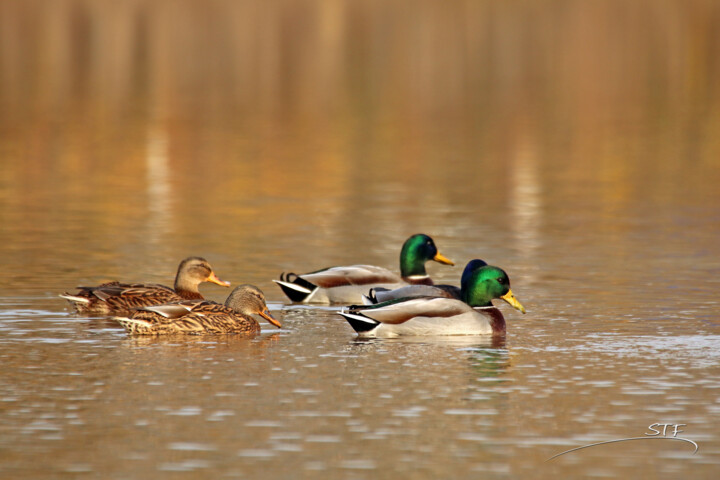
<point x="575" y="144"/>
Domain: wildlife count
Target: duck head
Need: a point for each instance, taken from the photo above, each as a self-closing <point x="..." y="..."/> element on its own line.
<point x="193" y="271"/>
<point x="417" y="250"/>
<point x="484" y="284"/>
<point x="249" y="300"/>
<point x="471" y="266"/>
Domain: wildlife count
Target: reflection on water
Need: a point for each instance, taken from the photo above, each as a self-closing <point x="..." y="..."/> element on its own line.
<point x="158" y="185"/>
<point x="525" y="202"/>
<point x="572" y="143"/>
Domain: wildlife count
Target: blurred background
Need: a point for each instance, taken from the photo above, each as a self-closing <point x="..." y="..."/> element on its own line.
<point x="136" y="133"/>
<point x="574" y="143"/>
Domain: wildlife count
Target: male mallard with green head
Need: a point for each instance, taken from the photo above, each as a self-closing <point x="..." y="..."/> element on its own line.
<point x="348" y="284"/>
<point x="473" y="315"/>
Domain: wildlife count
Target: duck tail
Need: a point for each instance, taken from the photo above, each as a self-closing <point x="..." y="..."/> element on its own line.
<point x="376" y="295"/>
<point x="295" y="287"/>
<point x="74" y="298"/>
<point x="359" y="322"/>
<point x="369" y="299"/>
<point x="133" y="325"/>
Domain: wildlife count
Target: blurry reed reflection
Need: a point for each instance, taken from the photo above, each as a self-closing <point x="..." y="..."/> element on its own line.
<point x="158" y="185"/>
<point x="361" y="60"/>
<point x="525" y="200"/>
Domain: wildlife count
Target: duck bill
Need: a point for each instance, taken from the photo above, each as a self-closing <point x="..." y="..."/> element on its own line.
<point x="266" y="315"/>
<point x="440" y="258"/>
<point x="510" y="298"/>
<point x="214" y="279"/>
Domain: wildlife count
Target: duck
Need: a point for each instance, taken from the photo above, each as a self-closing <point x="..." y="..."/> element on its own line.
<point x="347" y="284"/>
<point x="426" y="315"/>
<point x="379" y="294"/>
<point x="115" y="297"/>
<point x="195" y="317"/>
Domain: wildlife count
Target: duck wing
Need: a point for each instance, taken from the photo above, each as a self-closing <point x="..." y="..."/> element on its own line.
<point x="175" y="310"/>
<point x="113" y="290"/>
<point x="379" y="295"/>
<point x="396" y="312"/>
<point x="351" y="275"/>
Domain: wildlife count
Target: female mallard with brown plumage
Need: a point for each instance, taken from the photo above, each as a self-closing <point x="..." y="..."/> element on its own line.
<point x="115" y="297"/>
<point x="473" y="315"/>
<point x="348" y="284"/>
<point x="194" y="317"/>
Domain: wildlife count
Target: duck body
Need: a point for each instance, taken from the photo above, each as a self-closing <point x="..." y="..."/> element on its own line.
<point x="338" y="284"/>
<point x="115" y="297"/>
<point x="380" y="294"/>
<point x="424" y="316"/>
<point x="348" y="284"/>
<point x="195" y="317"/>
<point x="436" y="315"/>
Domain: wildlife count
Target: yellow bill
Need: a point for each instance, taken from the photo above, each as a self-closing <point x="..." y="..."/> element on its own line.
<point x="510" y="298"/>
<point x="266" y="315"/>
<point x="214" y="279"/>
<point x="440" y="258"/>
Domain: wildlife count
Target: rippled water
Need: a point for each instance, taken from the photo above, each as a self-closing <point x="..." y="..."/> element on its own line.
<point x="317" y="134"/>
<point x="78" y="395"/>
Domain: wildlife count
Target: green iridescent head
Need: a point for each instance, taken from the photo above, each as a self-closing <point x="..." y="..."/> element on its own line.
<point x="486" y="283"/>
<point x="417" y="250"/>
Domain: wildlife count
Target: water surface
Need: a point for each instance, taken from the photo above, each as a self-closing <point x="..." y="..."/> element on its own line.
<point x="574" y="145"/>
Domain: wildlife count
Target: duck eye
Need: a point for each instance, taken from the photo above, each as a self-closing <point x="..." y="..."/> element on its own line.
<point x="501" y="280"/>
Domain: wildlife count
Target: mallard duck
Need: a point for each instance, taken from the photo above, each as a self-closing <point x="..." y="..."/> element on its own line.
<point x="348" y="284"/>
<point x="379" y="294"/>
<point x="194" y="317"/>
<point x="473" y="315"/>
<point x="116" y="297"/>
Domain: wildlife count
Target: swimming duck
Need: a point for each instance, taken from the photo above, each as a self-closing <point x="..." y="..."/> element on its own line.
<point x="116" y="297"/>
<point x="473" y="315"/>
<point x="194" y="317"/>
<point x="348" y="284"/>
<point x="379" y="294"/>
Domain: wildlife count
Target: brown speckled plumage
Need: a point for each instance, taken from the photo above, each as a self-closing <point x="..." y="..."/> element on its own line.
<point x="195" y="317"/>
<point x="117" y="298"/>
